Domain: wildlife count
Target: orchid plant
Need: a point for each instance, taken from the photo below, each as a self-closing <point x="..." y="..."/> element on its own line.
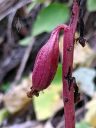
<point x="47" y="62"/>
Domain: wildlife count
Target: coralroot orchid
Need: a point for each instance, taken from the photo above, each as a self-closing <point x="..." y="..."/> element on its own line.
<point x="47" y="61"/>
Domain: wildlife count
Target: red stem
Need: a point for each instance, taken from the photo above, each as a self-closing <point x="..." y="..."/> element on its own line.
<point x="68" y="50"/>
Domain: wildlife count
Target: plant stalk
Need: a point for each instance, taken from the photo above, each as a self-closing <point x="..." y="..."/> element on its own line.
<point x="68" y="85"/>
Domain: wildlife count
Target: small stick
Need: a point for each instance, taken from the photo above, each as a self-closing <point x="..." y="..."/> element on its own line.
<point x="24" y="60"/>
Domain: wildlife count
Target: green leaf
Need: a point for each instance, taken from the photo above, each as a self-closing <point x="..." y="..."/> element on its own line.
<point x="82" y="124"/>
<point x="5" y="87"/>
<point x="91" y="5"/>
<point x="50" y="17"/>
<point x="58" y="77"/>
<point x="25" y="41"/>
<point x="3" y="114"/>
<point x="31" y="5"/>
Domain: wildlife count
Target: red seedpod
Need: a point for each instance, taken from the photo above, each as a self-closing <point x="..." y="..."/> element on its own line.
<point x="45" y="65"/>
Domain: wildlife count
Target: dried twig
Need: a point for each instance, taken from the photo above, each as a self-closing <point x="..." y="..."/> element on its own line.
<point x="9" y="32"/>
<point x="24" y="61"/>
<point x="11" y="8"/>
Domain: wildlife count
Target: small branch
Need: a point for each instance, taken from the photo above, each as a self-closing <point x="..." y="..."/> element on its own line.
<point x="24" y="61"/>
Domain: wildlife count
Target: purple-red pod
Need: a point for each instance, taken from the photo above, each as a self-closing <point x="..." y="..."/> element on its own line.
<point x="45" y="65"/>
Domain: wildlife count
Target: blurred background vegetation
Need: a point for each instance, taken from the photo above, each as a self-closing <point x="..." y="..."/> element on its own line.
<point x="25" y="26"/>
